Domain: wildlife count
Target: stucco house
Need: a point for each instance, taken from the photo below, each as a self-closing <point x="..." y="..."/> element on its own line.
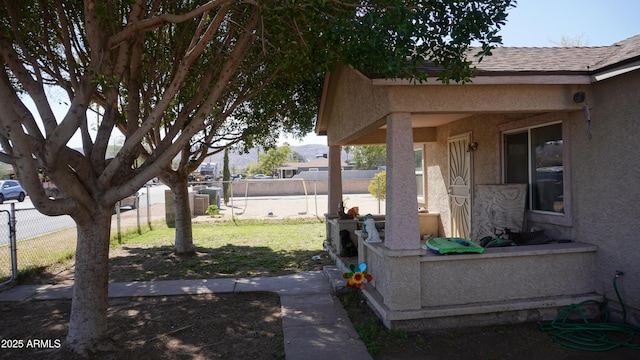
<point x="291" y="169"/>
<point x="564" y="121"/>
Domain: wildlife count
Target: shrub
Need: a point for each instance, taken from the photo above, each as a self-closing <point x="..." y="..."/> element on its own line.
<point x="213" y="210"/>
<point x="373" y="185"/>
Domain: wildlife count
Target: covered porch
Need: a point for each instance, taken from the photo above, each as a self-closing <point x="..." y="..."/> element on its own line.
<point x="442" y="142"/>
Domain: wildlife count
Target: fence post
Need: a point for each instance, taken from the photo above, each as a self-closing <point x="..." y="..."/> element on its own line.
<point x="138" y="214"/>
<point x="306" y="197"/>
<point x="118" y="222"/>
<point x="149" y="205"/>
<point x="13" y="242"/>
<point x="315" y="195"/>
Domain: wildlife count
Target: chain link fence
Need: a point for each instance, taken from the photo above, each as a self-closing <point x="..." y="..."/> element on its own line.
<point x="42" y="240"/>
<point x="7" y="261"/>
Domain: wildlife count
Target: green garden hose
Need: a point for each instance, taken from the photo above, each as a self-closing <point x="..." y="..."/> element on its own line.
<point x="600" y="336"/>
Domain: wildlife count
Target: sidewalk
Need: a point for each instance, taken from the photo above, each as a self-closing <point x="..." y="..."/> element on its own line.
<point x="314" y="323"/>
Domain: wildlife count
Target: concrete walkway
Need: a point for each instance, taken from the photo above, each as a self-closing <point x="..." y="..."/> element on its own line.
<point x="314" y="323"/>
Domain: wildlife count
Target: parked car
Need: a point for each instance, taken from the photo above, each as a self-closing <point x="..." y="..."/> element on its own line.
<point x="262" y="176"/>
<point x="154" y="181"/>
<point x="11" y="190"/>
<point x="130" y="201"/>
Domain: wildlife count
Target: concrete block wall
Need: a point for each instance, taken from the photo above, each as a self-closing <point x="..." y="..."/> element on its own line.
<point x="289" y="187"/>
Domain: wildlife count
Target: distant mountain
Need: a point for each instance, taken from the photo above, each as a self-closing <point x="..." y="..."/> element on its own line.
<point x="240" y="161"/>
<point x="311" y="151"/>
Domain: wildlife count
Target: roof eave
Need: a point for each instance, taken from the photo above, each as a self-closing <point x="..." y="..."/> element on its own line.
<point x="321" y="127"/>
<point x="616" y="70"/>
<point x="504" y="78"/>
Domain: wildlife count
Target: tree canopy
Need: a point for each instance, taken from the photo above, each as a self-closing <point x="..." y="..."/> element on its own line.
<point x="369" y="157"/>
<point x="182" y="77"/>
<point x="274" y="158"/>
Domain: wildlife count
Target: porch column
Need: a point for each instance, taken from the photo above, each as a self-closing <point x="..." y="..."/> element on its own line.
<point x="402" y="229"/>
<point x="335" y="179"/>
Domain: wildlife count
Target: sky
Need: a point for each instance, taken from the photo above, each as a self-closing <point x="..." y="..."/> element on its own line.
<point x="543" y="23"/>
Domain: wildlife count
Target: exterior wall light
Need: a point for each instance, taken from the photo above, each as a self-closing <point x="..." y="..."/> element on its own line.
<point x="579" y="97"/>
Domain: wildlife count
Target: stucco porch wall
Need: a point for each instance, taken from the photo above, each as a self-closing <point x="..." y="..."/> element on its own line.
<point x="507" y="274"/>
<point x="503" y="285"/>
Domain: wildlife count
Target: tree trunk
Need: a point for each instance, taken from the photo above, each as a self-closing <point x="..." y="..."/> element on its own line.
<point x="88" y="321"/>
<point x="184" y="232"/>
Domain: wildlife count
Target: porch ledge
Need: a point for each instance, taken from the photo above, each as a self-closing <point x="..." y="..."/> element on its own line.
<point x="380" y="249"/>
<point x="515" y="251"/>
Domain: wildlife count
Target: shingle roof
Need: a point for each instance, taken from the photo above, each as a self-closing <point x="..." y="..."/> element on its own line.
<point x="564" y="59"/>
<point x="622" y="51"/>
<point x="508" y="59"/>
<point x="317" y="162"/>
<point x="553" y="59"/>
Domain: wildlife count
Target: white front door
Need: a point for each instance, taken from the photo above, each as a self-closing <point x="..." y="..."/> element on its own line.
<point x="459" y="186"/>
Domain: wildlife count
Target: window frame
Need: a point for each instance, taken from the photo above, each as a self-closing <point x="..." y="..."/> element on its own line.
<point x="538" y="216"/>
<point x="420" y="148"/>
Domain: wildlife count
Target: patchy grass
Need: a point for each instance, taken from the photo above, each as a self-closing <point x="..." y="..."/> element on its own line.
<point x="36" y="253"/>
<point x="223" y="249"/>
<point x="252" y="248"/>
<point x="296" y="233"/>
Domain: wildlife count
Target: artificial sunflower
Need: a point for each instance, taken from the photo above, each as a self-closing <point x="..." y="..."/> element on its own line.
<point x="358" y="276"/>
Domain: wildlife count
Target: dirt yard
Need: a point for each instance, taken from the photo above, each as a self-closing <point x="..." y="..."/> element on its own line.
<point x="242" y="325"/>
<point x="220" y="326"/>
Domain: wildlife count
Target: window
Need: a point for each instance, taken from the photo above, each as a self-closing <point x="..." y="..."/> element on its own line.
<point x="535" y="156"/>
<point x="418" y="159"/>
